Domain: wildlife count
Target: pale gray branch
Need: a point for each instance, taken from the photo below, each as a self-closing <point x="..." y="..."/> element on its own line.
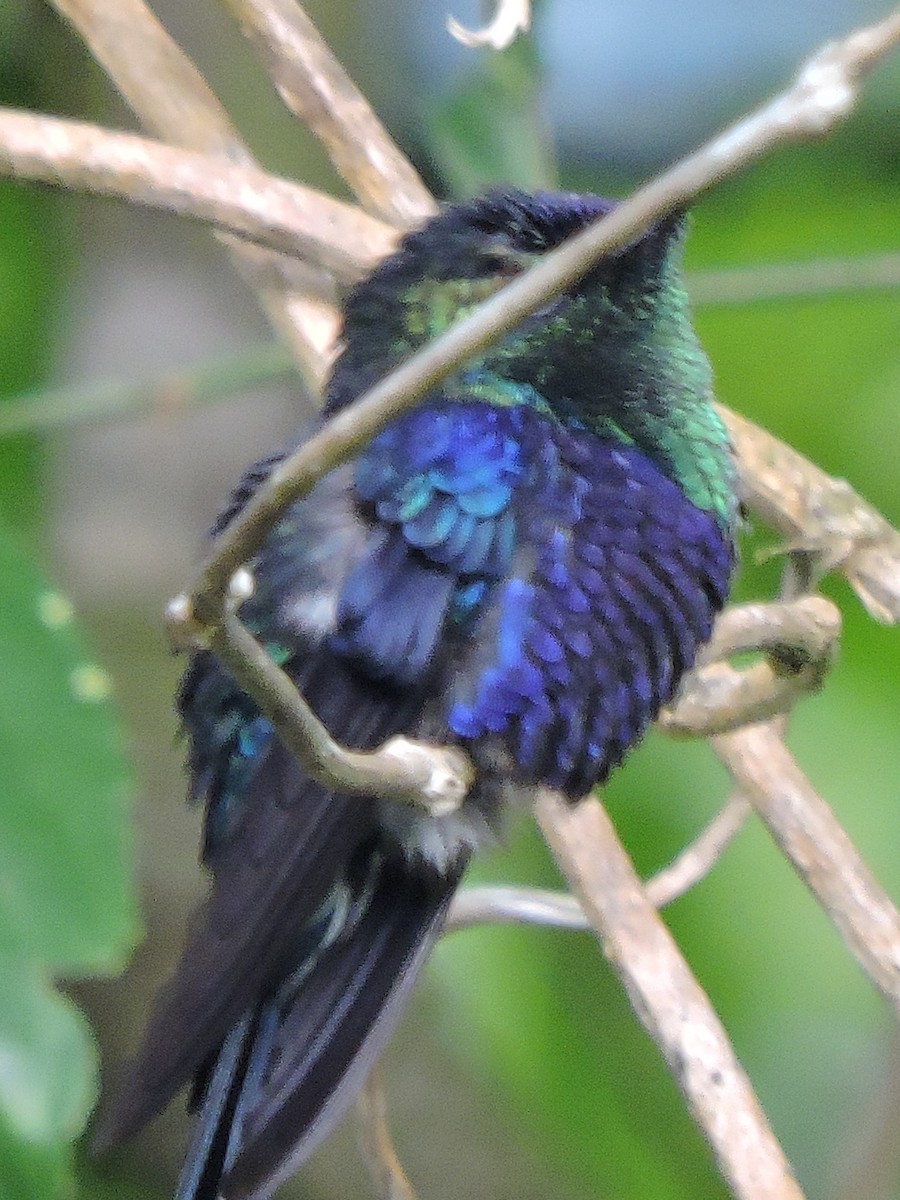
<point x="237" y="198"/>
<point x="667" y="999"/>
<point x="499" y="905"/>
<point x="314" y="86"/>
<point x="811" y="838"/>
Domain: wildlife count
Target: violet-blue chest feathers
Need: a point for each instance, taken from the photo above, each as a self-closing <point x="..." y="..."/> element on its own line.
<point x="551" y="534"/>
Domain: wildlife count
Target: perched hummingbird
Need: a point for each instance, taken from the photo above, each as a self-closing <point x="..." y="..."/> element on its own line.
<point x="524" y="564"/>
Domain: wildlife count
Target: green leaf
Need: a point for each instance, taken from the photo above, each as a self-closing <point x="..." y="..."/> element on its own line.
<point x="39" y="1031"/>
<point x="64" y="862"/>
<point x="66" y="903"/>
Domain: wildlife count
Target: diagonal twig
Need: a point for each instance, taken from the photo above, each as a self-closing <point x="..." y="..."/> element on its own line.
<point x="812" y="840"/>
<point x="314" y="86"/>
<point x="385" y="1168"/>
<point x="765" y="282"/>
<point x="667" y="999"/>
<point x="698" y="858"/>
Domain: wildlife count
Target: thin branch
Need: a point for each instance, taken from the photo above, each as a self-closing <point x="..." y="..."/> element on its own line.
<point x="154" y="76"/>
<point x="239" y="199"/>
<point x="819" y="514"/>
<point x="800" y="637"/>
<point x="172" y="392"/>
<point x="508" y="905"/>
<point x="802" y="630"/>
<point x="667" y="999"/>
<point x="824" y="93"/>
<point x="811" y="838"/>
<point x="698" y="858"/>
<point x="720" y="698"/>
<point x="314" y="86"/>
<point x="495" y="905"/>
<point x="796" y="281"/>
<point x="385" y="1168"/>
<point x="435" y="777"/>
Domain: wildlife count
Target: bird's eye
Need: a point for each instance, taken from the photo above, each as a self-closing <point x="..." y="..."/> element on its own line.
<point x="501" y="257"/>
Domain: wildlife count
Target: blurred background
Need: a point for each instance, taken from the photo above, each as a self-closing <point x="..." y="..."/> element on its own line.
<point x="519" y="1070"/>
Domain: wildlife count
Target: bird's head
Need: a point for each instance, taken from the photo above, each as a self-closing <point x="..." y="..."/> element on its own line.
<point x="468" y="252"/>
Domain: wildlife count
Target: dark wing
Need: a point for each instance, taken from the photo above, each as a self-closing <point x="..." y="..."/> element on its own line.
<point x="353" y="593"/>
<point x="287" y="1076"/>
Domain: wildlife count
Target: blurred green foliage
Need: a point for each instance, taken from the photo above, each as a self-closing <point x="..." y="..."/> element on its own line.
<point x="67" y="905"/>
<point x="66" y="896"/>
<point x="536" y="1017"/>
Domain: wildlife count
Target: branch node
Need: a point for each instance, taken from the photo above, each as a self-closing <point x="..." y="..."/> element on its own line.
<point x="824" y="92"/>
<point x="184" y="630"/>
<point x="241" y="587"/>
<point x="445" y="774"/>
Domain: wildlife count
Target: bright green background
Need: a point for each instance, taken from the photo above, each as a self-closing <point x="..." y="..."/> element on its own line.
<point x="520" y="1071"/>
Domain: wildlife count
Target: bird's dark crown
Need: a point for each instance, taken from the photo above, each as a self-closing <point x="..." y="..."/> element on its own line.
<point x="470" y="250"/>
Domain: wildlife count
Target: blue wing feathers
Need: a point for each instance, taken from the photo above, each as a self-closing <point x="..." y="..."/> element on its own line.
<point x="533" y="586"/>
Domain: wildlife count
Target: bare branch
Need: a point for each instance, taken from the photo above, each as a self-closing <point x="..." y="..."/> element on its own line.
<point x="719" y="698"/>
<point x="667" y="999"/>
<point x="154" y="76"/>
<point x="385" y="1168"/>
<point x="697" y="859"/>
<point x="434" y="777"/>
<point x="823" y="93"/>
<point x="342" y="240"/>
<point x="508" y="905"/>
<point x="169" y="393"/>
<point x="804" y="630"/>
<point x="314" y="85"/>
<point x="812" y="840"/>
<point x="779" y="281"/>
<point x="514" y="906"/>
<point x="800" y="636"/>
<point x="820" y="514"/>
<point x="511" y="18"/>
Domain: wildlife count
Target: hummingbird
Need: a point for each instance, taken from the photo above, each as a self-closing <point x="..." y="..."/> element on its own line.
<point x="523" y="565"/>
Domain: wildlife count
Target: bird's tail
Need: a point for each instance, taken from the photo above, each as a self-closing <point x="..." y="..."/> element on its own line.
<point x="286" y="1072"/>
